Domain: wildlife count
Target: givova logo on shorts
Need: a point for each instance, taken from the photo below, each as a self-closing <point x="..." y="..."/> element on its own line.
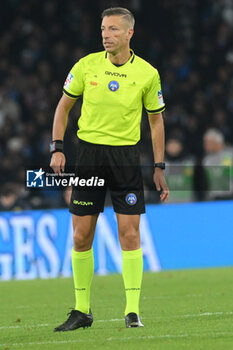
<point x="131" y="198"/>
<point x="82" y="202"/>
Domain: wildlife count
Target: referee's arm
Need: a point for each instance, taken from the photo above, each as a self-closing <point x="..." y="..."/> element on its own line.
<point x="64" y="106"/>
<point x="158" y="141"/>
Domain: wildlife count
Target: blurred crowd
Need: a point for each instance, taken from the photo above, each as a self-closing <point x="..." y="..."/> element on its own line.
<point x="190" y="42"/>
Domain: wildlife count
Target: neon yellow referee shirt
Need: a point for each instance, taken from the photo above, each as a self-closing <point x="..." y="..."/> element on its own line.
<point x="113" y="97"/>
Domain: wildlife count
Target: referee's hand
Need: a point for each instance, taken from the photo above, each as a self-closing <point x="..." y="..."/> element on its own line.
<point x="58" y="162"/>
<point x="161" y="184"/>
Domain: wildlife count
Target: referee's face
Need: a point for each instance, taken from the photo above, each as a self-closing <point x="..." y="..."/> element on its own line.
<point x="115" y="33"/>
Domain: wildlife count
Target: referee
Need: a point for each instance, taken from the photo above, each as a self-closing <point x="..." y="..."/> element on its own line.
<point x="115" y="84"/>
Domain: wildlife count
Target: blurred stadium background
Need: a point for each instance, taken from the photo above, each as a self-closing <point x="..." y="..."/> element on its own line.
<point x="191" y="44"/>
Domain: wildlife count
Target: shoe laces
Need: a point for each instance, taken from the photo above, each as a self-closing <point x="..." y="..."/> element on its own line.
<point x="70" y="313"/>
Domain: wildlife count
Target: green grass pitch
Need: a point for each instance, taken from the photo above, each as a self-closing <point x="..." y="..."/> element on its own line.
<point x="188" y="309"/>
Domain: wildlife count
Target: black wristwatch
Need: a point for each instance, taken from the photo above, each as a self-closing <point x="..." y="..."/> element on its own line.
<point x="56" y="146"/>
<point x="160" y="165"/>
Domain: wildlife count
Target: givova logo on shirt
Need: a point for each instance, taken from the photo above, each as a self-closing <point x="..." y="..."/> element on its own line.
<point x="121" y="75"/>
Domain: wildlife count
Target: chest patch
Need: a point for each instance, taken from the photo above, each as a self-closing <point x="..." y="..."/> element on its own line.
<point x="113" y="85"/>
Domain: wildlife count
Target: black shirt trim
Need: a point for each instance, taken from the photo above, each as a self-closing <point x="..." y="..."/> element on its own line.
<point x="69" y="94"/>
<point x="133" y="56"/>
<point x="156" y="110"/>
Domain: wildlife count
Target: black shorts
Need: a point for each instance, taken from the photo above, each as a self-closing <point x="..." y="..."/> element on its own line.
<point x="119" y="167"/>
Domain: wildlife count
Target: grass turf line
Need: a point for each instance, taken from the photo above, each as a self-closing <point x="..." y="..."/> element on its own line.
<point x="189" y="309"/>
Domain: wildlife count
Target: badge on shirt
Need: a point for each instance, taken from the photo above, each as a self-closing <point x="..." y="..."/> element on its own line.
<point x="113" y="85"/>
<point x="160" y="97"/>
<point x="68" y="80"/>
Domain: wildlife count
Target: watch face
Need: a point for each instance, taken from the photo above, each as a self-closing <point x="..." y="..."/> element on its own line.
<point x="52" y="147"/>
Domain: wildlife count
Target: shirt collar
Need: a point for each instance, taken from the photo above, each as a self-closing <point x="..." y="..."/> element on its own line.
<point x="130" y="60"/>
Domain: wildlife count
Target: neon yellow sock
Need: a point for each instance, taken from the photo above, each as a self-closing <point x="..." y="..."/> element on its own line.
<point x="83" y="270"/>
<point x="132" y="269"/>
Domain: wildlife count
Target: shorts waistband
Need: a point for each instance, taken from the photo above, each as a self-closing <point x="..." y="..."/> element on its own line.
<point x="97" y="145"/>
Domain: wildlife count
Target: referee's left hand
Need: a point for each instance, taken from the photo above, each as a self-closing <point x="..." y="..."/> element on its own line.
<point x="161" y="184"/>
<point x="58" y="162"/>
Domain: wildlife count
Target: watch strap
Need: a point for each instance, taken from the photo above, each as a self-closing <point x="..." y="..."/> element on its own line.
<point x="56" y="146"/>
<point x="160" y="165"/>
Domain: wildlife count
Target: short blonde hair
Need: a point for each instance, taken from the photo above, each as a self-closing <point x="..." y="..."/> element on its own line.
<point x="120" y="11"/>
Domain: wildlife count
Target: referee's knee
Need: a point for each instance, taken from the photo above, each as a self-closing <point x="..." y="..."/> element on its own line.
<point x="129" y="238"/>
<point x="84" y="231"/>
<point x="82" y="240"/>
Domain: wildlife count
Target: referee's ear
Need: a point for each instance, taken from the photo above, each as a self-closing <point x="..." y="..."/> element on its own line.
<point x="130" y="33"/>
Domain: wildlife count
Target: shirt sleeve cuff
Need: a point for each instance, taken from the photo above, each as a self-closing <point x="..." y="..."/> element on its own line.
<point x="155" y="111"/>
<point x="69" y="94"/>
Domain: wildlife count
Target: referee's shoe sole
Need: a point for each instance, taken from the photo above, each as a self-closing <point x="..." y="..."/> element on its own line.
<point x="76" y="319"/>
<point x="133" y="320"/>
